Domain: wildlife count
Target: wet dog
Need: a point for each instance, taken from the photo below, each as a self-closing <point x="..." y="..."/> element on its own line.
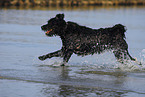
<point x="82" y="40"/>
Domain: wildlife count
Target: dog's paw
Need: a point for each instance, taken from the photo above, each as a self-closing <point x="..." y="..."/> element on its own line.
<point x="62" y="65"/>
<point x="137" y="62"/>
<point x="42" y="57"/>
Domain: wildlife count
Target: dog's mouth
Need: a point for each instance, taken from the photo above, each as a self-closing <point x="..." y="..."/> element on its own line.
<point x="47" y="32"/>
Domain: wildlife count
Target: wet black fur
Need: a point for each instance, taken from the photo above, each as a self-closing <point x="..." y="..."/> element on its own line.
<point x="83" y="40"/>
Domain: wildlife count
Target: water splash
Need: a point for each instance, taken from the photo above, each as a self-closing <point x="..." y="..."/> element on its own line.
<point x="143" y="57"/>
<point x="105" y="61"/>
<point x="130" y="66"/>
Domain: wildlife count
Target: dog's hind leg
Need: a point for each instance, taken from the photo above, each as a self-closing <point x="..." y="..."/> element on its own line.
<point x="119" y="55"/>
<point x="133" y="59"/>
<point x="130" y="56"/>
<point x="50" y="55"/>
<point x="123" y="55"/>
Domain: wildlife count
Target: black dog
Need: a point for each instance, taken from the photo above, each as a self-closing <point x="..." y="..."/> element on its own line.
<point x="83" y="41"/>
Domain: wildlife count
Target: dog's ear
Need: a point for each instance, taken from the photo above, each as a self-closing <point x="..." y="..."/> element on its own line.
<point x="60" y="16"/>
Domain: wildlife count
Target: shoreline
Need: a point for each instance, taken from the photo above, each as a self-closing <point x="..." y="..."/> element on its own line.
<point x="71" y="3"/>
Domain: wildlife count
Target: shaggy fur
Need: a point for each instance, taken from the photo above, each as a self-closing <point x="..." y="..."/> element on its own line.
<point x="83" y="40"/>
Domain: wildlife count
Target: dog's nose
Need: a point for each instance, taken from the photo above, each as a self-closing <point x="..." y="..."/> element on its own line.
<point x="42" y="27"/>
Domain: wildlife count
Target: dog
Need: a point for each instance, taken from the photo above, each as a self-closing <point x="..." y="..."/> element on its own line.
<point x="82" y="40"/>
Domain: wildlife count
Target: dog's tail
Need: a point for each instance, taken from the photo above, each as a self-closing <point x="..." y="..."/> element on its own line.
<point x="118" y="29"/>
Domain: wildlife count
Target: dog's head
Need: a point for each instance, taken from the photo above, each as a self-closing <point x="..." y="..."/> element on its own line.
<point x="55" y="26"/>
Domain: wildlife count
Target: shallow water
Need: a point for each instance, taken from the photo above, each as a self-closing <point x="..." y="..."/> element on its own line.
<point x="22" y="41"/>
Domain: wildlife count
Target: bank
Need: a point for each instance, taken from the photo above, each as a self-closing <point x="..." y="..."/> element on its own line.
<point x="72" y="2"/>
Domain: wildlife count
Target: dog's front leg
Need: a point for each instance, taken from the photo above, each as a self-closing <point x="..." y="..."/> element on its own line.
<point x="66" y="57"/>
<point x="50" y="55"/>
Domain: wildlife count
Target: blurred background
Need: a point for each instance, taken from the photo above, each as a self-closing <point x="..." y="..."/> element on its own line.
<point x="70" y="2"/>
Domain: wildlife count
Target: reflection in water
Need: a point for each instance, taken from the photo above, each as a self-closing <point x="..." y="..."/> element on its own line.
<point x="64" y="75"/>
<point x="68" y="87"/>
<point x="65" y="90"/>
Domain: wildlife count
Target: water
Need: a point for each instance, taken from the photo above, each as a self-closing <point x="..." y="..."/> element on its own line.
<point x="22" y="41"/>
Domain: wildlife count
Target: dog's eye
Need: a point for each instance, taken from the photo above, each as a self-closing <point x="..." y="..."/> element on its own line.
<point x="54" y="23"/>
